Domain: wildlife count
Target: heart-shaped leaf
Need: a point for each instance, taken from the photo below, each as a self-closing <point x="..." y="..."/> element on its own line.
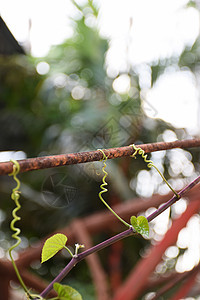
<point x="66" y="292"/>
<point x="141" y="225"/>
<point x="53" y="245"/>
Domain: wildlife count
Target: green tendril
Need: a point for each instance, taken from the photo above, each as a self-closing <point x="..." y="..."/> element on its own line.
<point x="104" y="190"/>
<point x="150" y="164"/>
<point x="35" y="297"/>
<point x="15" y="197"/>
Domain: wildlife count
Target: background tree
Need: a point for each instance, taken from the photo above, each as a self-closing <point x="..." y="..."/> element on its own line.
<point x="74" y="107"/>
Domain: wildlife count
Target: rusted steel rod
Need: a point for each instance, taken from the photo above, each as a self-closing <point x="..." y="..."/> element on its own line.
<point x="53" y="161"/>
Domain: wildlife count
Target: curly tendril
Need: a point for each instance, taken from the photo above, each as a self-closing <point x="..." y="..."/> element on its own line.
<point x="104" y="190"/>
<point x="150" y="164"/>
<point x="15" y="197"/>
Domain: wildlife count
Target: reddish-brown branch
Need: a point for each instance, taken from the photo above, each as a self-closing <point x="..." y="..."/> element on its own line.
<point x="4" y="287"/>
<point x="83" y="157"/>
<point x="75" y="158"/>
<point x="189" y="276"/>
<point x="137" y="280"/>
<point x="188" y="284"/>
<point x="31" y="280"/>
<point x="115" y="265"/>
<point x="99" y="222"/>
<point x="97" y="272"/>
<point x="115" y="251"/>
<point x="160" y="280"/>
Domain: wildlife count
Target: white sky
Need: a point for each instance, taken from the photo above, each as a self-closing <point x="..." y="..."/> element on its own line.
<point x="139" y="31"/>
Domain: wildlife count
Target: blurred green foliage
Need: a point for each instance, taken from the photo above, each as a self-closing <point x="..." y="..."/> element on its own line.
<point x="75" y="108"/>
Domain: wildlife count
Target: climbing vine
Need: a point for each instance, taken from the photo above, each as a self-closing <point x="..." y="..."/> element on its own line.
<point x="150" y="164"/>
<point x="104" y="190"/>
<point x="15" y="197"/>
<point x="57" y="242"/>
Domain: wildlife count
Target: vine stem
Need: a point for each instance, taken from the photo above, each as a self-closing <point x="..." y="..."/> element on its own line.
<point x="173" y="199"/>
<point x="104" y="190"/>
<point x="150" y="164"/>
<point x="15" y="197"/>
<point x="83" y="157"/>
<point x="116" y="238"/>
<point x="69" y="251"/>
<point x="83" y="255"/>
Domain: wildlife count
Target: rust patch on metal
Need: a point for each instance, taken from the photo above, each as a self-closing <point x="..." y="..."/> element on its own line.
<point x="53" y="161"/>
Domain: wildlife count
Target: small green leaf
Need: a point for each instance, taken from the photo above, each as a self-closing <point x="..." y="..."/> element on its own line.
<point x="66" y="292"/>
<point x="53" y="245"/>
<point x="141" y="225"/>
